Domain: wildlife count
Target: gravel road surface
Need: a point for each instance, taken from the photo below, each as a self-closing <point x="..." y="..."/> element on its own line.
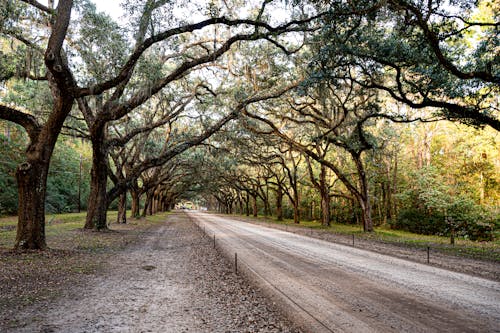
<point x="328" y="287"/>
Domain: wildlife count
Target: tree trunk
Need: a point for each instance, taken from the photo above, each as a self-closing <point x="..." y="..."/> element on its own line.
<point x="267" y="207"/>
<point x="394" y="187"/>
<point x="147" y="204"/>
<point x="154" y="206"/>
<point x="296" y="208"/>
<point x="254" y="201"/>
<point x="364" y="196"/>
<point x="366" y="214"/>
<point x="31" y="175"/>
<point x="247" y="205"/>
<point x="240" y="205"/>
<point x="279" y="204"/>
<point x="122" y="209"/>
<point x="296" y="213"/>
<point x="135" y="203"/>
<point x="98" y="198"/>
<point x="325" y="209"/>
<point x="267" y="204"/>
<point x="32" y="185"/>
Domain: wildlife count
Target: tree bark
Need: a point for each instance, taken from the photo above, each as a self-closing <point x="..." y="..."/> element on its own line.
<point x="296" y="208"/>
<point x="296" y="212"/>
<point x="267" y="204"/>
<point x="240" y="206"/>
<point x="135" y="203"/>
<point x="32" y="185"/>
<point x="363" y="196"/>
<point x="247" y="205"/>
<point x="154" y="206"/>
<point x="325" y="210"/>
<point x="148" y="204"/>
<point x="366" y="214"/>
<point x="122" y="209"/>
<point x="254" y="202"/>
<point x="279" y="203"/>
<point x="98" y="198"/>
<point x="267" y="207"/>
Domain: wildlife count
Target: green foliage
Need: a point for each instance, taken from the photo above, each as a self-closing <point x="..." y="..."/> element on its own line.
<point x="32" y="96"/>
<point x="428" y="199"/>
<point x="63" y="179"/>
<point x="10" y="150"/>
<point x="390" y="49"/>
<point x="102" y="45"/>
<point x="16" y="59"/>
<point x="417" y="221"/>
<point x="62" y="182"/>
<point x="474" y="224"/>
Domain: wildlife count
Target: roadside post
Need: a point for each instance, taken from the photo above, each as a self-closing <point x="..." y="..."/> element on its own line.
<point x="236" y="263"/>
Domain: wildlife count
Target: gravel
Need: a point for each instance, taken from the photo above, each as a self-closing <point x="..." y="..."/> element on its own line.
<point x="227" y="302"/>
<point x="336" y="287"/>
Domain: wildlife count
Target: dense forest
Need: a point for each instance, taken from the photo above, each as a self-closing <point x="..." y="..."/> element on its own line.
<point x="376" y="113"/>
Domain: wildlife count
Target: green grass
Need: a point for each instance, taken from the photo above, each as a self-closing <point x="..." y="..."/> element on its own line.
<point x="59" y="227"/>
<point x="462" y="247"/>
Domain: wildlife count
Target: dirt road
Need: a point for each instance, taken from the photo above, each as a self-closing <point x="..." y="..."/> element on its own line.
<point x="173" y="281"/>
<point x="329" y="287"/>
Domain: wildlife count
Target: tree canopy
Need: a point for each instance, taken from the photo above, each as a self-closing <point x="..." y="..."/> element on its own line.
<point x="327" y="110"/>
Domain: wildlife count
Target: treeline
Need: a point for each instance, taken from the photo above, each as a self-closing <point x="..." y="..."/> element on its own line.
<point x="432" y="178"/>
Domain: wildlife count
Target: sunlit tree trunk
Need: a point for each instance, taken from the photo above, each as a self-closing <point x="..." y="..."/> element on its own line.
<point x="148" y="205"/>
<point x="296" y="212"/>
<point x="325" y="196"/>
<point x="364" y="196"/>
<point x="240" y="205"/>
<point x="325" y="210"/>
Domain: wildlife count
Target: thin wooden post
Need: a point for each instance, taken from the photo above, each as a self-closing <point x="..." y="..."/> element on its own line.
<point x="236" y="263"/>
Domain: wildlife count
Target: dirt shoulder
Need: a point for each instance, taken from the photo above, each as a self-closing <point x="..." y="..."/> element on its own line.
<point x="75" y="256"/>
<point x="481" y="268"/>
<point x="168" y="278"/>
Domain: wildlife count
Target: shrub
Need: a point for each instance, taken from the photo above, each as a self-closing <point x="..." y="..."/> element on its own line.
<point x="475" y="224"/>
<point x="417" y="221"/>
